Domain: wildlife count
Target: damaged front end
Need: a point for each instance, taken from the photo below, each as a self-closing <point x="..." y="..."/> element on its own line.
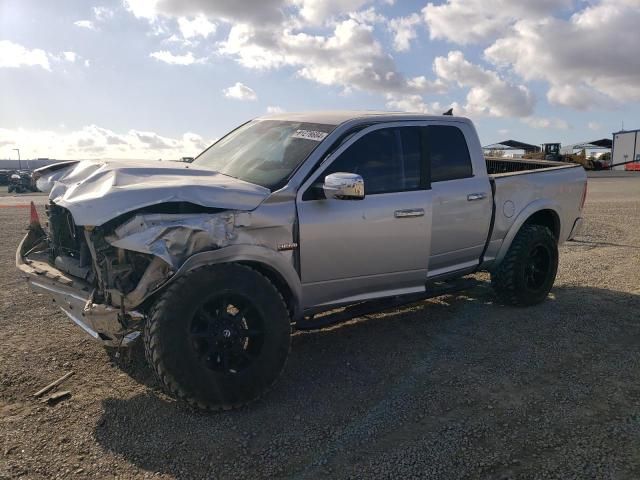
<point x="103" y="277"/>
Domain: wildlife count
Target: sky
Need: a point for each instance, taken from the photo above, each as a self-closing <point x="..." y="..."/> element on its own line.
<point x="165" y="78"/>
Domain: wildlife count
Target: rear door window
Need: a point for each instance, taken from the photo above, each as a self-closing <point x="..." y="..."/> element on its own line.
<point x="449" y="153"/>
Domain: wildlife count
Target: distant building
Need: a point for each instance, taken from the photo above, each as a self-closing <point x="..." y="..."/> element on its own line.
<point x="511" y="145"/>
<point x="626" y="149"/>
<point x="27" y="164"/>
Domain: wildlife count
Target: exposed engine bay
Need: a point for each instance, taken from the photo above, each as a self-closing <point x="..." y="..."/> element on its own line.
<point x="85" y="254"/>
<point x="128" y="258"/>
<point x="112" y="270"/>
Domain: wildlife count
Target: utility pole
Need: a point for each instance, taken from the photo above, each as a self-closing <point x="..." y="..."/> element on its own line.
<point x="19" y="163"/>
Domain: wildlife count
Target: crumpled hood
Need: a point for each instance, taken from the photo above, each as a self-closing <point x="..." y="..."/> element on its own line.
<point x="96" y="191"/>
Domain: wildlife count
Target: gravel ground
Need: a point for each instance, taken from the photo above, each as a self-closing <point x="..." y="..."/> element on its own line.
<point x="455" y="387"/>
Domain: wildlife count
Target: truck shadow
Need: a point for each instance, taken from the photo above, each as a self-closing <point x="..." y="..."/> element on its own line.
<point x="381" y="383"/>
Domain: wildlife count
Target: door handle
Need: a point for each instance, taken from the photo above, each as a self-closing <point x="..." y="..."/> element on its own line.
<point x="476" y="196"/>
<point x="410" y="212"/>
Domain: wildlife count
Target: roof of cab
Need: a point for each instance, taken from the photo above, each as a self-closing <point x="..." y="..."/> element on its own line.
<point x="337" y="117"/>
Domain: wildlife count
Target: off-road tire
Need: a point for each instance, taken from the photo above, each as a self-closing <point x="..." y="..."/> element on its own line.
<point x="171" y="355"/>
<point x="509" y="280"/>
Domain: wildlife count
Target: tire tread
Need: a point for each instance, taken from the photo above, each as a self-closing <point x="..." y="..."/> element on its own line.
<point x="503" y="279"/>
<point x="170" y="384"/>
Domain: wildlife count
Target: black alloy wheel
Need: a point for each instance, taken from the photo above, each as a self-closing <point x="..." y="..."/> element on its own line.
<point x="227" y="333"/>
<point x="537" y="270"/>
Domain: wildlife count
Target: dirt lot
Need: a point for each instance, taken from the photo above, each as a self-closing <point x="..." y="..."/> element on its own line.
<point x="456" y="387"/>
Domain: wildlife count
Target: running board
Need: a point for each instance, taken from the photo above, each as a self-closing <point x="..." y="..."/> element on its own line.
<point x="432" y="290"/>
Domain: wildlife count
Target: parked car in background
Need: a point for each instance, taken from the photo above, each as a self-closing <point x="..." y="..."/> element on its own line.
<point x="4" y="176"/>
<point x="282" y="221"/>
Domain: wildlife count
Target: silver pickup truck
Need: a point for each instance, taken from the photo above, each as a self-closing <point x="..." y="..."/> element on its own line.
<point x="290" y="220"/>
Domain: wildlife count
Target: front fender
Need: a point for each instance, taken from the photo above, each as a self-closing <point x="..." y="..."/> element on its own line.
<point x="523" y="216"/>
<point x="271" y="259"/>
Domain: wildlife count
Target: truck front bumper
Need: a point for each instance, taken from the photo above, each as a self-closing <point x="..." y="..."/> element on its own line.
<point x="104" y="323"/>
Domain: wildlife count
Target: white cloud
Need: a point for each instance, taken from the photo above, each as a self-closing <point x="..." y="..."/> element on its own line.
<point x="253" y="48"/>
<point x="70" y="56"/>
<point x="319" y="11"/>
<point x="142" y="8"/>
<point x="472" y="21"/>
<point x="240" y="91"/>
<point x="588" y="60"/>
<point x="93" y="141"/>
<point x="404" y="31"/>
<point x="13" y="55"/>
<point x="370" y="16"/>
<point x="254" y="11"/>
<point x="274" y="109"/>
<point x="584" y="58"/>
<point x="407" y="103"/>
<point x="102" y="13"/>
<point x="349" y="57"/>
<point x="178" y="39"/>
<point x="88" y="24"/>
<point x="198" y="26"/>
<point x="423" y="84"/>
<point x="577" y="96"/>
<point x="541" y="122"/>
<point x="168" y="57"/>
<point x="415" y="103"/>
<point x="595" y="126"/>
<point x="489" y="94"/>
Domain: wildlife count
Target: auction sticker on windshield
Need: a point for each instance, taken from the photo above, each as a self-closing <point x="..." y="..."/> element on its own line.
<point x="310" y="135"/>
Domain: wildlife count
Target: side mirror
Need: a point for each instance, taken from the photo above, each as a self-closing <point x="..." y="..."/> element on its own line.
<point x="343" y="186"/>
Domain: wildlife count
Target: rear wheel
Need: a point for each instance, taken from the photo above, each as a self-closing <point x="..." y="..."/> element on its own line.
<point x="219" y="336"/>
<point x="527" y="272"/>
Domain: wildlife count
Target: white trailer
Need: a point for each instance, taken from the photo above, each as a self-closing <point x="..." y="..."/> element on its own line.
<point x="626" y="148"/>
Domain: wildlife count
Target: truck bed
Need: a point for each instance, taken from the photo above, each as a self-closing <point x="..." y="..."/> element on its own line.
<point x="508" y="166"/>
<point x="519" y="184"/>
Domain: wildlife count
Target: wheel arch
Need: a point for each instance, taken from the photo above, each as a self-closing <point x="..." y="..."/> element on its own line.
<point x="540" y="212"/>
<point x="276" y="267"/>
<point x="279" y="281"/>
<point x="547" y="218"/>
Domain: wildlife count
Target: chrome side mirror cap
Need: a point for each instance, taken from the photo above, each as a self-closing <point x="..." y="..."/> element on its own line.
<point x="343" y="186"/>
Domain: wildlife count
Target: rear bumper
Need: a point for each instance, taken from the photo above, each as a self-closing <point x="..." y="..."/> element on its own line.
<point x="74" y="297"/>
<point x="577" y="228"/>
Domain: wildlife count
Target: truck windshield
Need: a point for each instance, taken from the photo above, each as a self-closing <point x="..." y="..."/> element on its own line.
<point x="264" y="152"/>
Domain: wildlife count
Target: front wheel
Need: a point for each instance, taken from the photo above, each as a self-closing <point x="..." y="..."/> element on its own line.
<point x="527" y="272"/>
<point x="218" y="337"/>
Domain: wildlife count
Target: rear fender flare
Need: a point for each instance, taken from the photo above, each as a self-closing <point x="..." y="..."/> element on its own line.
<point x="523" y="216"/>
